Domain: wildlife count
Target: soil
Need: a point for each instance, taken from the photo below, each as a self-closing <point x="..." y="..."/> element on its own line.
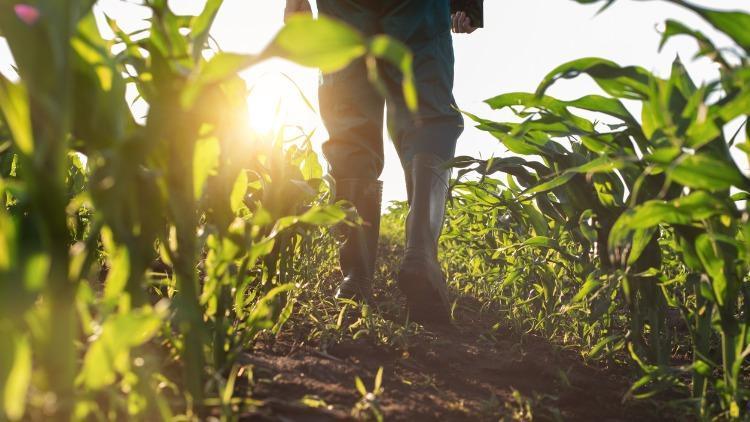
<point x="470" y="371"/>
<point x="473" y="370"/>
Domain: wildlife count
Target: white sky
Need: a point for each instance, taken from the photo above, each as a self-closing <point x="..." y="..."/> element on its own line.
<point x="523" y="40"/>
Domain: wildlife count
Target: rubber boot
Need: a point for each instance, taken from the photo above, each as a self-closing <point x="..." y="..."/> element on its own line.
<point x="420" y="277"/>
<point x="359" y="247"/>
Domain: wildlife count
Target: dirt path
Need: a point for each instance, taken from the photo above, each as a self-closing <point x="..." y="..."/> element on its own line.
<point x="475" y="370"/>
<point x="470" y="372"/>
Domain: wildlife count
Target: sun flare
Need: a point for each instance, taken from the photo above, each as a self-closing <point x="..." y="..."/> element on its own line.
<point x="278" y="99"/>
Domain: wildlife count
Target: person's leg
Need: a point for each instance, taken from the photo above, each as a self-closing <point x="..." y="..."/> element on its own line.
<point x="437" y="125"/>
<point x="352" y="112"/>
<point x="425" y="141"/>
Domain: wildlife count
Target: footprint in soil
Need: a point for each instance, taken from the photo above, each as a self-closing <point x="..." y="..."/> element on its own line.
<point x="458" y="373"/>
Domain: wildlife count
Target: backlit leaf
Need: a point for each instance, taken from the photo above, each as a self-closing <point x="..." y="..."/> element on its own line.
<point x="205" y="161"/>
<point x="109" y="353"/>
<point x="201" y="25"/>
<point x="14" y="104"/>
<point x="18" y="379"/>
<point x="118" y="274"/>
<point x="239" y="190"/>
<point x="398" y="54"/>
<point x="323" y="215"/>
<point x="323" y="43"/>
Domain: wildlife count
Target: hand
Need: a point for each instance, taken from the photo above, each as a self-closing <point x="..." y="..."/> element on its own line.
<point x="461" y="23"/>
<point x="294" y="7"/>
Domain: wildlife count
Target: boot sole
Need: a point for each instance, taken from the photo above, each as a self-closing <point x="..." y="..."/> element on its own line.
<point x="424" y="302"/>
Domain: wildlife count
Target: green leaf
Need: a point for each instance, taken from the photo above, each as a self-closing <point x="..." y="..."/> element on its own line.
<point x="8" y="240"/>
<point x="378" y="380"/>
<point x="324" y="43"/>
<point x="229" y="389"/>
<point x="311" y="168"/>
<point x="14" y="104"/>
<point x="702" y="367"/>
<point x="604" y="164"/>
<point x="98" y="370"/>
<point x="673" y="28"/>
<point x="705" y="172"/>
<point x="596" y="103"/>
<point x="734" y="24"/>
<point x="610" y="106"/>
<point x="597" y="349"/>
<point x="698" y="205"/>
<point x="118" y="274"/>
<point x="323" y="215"/>
<point x="398" y="54"/>
<point x="36" y="272"/>
<point x="737" y="106"/>
<point x="518" y="145"/>
<point x="220" y="68"/>
<point x="260" y="249"/>
<point x="540" y="241"/>
<point x="622" y="82"/>
<point x="110" y="352"/>
<point x="665" y="156"/>
<point x="19" y="378"/>
<point x="239" y="190"/>
<point x="283" y="317"/>
<point x="650" y="122"/>
<point x="713" y="262"/>
<point x="537" y="220"/>
<point x="641" y="239"/>
<point x="740" y="196"/>
<point x="701" y="205"/>
<point x="591" y="285"/>
<point x="261" y="316"/>
<point x="100" y="113"/>
<point x="225" y="65"/>
<point x="201" y="26"/>
<point x="550" y="184"/>
<point x="360" y="386"/>
<point x="205" y="162"/>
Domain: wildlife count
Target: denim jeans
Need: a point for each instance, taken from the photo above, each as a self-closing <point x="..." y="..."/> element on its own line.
<point x="353" y="109"/>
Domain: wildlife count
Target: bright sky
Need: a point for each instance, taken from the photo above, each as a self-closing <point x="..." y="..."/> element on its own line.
<point x="522" y="41"/>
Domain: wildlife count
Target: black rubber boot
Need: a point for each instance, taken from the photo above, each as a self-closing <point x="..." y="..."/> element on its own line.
<point x="359" y="246"/>
<point x="420" y="277"/>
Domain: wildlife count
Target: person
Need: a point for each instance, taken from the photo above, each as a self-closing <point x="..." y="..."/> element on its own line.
<point x="352" y="109"/>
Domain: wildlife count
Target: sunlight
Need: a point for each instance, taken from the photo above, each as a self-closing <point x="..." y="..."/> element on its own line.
<point x="268" y="104"/>
<point x="279" y="98"/>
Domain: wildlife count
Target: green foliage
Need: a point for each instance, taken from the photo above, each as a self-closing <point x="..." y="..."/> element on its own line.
<point x="138" y="255"/>
<point x="367" y="408"/>
<point x="608" y="225"/>
<point x="329" y="45"/>
<point x="141" y="258"/>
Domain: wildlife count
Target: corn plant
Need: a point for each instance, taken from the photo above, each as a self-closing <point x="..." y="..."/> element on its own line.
<point x="624" y="188"/>
<point x="139" y="257"/>
<point x="367" y="408"/>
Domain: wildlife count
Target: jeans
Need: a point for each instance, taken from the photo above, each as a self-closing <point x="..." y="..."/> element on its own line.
<point x="353" y="109"/>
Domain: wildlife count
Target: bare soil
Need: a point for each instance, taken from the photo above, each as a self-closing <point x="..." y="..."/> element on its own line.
<point x="470" y="371"/>
<point x="474" y="370"/>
